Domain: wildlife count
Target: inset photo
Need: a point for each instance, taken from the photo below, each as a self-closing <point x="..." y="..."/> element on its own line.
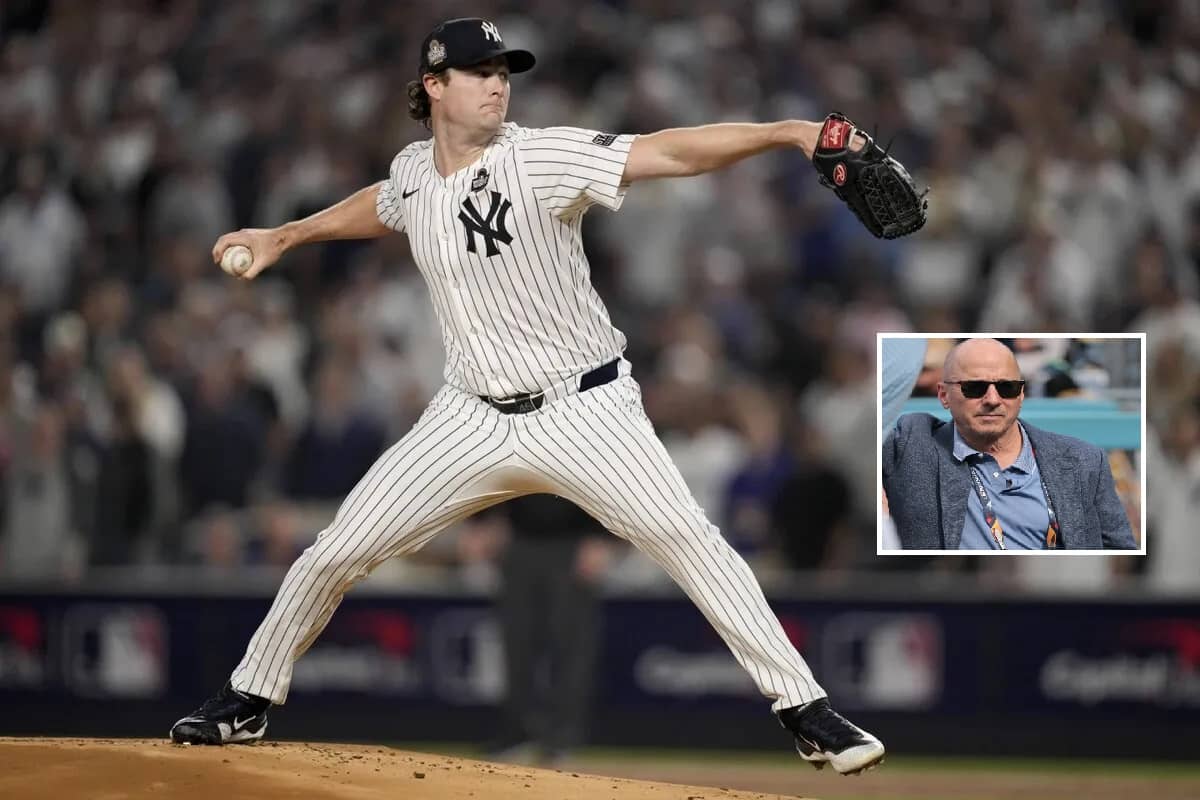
<point x="1011" y="443"/>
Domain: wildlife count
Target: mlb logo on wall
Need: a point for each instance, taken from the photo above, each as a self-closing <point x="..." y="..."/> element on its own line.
<point x="466" y="656"/>
<point x="368" y="651"/>
<point x="114" y="650"/>
<point x="883" y="661"/>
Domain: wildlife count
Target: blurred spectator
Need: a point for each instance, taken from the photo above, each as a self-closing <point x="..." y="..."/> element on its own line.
<point x="222" y="447"/>
<point x="261" y="400"/>
<point x="125" y="488"/>
<point x="653" y="233"/>
<point x="812" y="513"/>
<point x="338" y="444"/>
<point x="1174" y="500"/>
<point x="756" y="484"/>
<point x="191" y="201"/>
<point x="66" y="373"/>
<point x="42" y="535"/>
<point x="217" y="540"/>
<point x="1095" y="199"/>
<point x="1160" y="307"/>
<point x="1045" y="282"/>
<point x="1192" y="239"/>
<point x="279" y="536"/>
<point x="277" y="351"/>
<point x="1173" y="378"/>
<point x="107" y="309"/>
<point x="155" y="411"/>
<point x="401" y="360"/>
<point x="41" y="233"/>
<point x="943" y="265"/>
<point x="690" y="410"/>
<point x="842" y="404"/>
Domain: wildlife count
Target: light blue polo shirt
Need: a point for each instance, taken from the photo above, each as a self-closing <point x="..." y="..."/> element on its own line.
<point x="1017" y="499"/>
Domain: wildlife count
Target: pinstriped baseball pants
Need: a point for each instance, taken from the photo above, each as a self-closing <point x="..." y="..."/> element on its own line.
<point x="595" y="448"/>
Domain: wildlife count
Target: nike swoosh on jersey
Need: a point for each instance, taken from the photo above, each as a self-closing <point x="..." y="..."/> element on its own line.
<point x="406" y="195"/>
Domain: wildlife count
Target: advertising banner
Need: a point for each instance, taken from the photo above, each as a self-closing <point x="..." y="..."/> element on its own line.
<point x="1074" y="659"/>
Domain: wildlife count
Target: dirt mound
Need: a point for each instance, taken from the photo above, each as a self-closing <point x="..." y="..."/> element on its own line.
<point x="132" y="769"/>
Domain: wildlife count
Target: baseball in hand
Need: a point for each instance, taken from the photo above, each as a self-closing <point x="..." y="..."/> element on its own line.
<point x="236" y="259"/>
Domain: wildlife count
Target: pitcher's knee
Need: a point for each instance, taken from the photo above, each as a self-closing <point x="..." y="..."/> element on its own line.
<point x="325" y="560"/>
<point x="687" y="531"/>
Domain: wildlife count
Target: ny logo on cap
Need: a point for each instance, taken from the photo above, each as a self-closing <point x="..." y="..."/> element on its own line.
<point x="490" y="31"/>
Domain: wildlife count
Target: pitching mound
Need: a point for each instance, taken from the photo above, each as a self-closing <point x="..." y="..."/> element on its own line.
<point x="132" y="769"/>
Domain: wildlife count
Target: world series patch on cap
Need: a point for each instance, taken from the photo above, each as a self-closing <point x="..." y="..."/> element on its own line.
<point x="468" y="41"/>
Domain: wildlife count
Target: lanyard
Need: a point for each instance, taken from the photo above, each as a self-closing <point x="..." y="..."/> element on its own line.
<point x="1052" y="531"/>
<point x="989" y="514"/>
<point x="993" y="522"/>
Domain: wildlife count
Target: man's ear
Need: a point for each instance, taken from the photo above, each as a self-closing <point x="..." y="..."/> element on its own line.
<point x="434" y="85"/>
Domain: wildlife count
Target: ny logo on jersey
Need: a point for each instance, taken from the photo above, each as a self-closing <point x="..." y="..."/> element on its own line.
<point x="477" y="223"/>
<point x="490" y="31"/>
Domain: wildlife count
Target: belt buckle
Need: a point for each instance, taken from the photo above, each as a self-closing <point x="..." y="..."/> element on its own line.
<point x="519" y="404"/>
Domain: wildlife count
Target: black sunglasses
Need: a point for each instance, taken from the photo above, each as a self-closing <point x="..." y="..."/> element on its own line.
<point x="973" y="390"/>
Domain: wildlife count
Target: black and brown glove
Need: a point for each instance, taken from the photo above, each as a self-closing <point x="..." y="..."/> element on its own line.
<point x="875" y="185"/>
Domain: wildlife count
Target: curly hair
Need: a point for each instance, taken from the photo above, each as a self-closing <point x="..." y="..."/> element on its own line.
<point x="419" y="106"/>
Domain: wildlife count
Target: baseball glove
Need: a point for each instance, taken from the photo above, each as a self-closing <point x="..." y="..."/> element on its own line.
<point x="875" y="185"/>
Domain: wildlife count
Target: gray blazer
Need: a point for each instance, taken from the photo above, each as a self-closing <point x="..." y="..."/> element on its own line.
<point x="927" y="489"/>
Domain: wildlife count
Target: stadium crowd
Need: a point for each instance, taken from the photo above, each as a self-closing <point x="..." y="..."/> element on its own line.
<point x="154" y="411"/>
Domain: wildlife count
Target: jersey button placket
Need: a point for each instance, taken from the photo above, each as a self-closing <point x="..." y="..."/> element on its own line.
<point x="449" y="262"/>
<point x="447" y="266"/>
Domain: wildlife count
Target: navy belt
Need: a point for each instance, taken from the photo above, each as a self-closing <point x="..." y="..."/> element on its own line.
<point x="532" y="401"/>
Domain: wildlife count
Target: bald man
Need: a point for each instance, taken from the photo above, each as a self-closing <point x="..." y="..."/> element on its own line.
<point x="987" y="480"/>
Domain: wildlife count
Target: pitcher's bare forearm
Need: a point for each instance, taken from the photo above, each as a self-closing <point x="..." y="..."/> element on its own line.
<point x="352" y="218"/>
<point x="680" y="152"/>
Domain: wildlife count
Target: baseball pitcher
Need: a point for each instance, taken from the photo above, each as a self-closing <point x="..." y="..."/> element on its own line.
<point x="538" y="398"/>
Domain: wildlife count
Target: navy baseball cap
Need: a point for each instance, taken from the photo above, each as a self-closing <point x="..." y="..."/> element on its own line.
<point x="464" y="42"/>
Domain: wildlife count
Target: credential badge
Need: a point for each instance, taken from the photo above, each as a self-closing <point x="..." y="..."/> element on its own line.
<point x="437" y="52"/>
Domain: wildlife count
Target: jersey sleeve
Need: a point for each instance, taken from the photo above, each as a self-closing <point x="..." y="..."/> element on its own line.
<point x="572" y="168"/>
<point x="387" y="202"/>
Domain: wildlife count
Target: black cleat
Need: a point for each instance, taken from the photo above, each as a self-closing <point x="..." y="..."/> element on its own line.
<point x="824" y="736"/>
<point x="228" y="718"/>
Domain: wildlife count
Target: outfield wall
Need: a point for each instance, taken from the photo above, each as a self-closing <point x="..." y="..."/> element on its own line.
<point x="976" y="677"/>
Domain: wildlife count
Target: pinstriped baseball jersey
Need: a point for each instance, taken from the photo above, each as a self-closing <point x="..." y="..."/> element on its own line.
<point x="499" y="243"/>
